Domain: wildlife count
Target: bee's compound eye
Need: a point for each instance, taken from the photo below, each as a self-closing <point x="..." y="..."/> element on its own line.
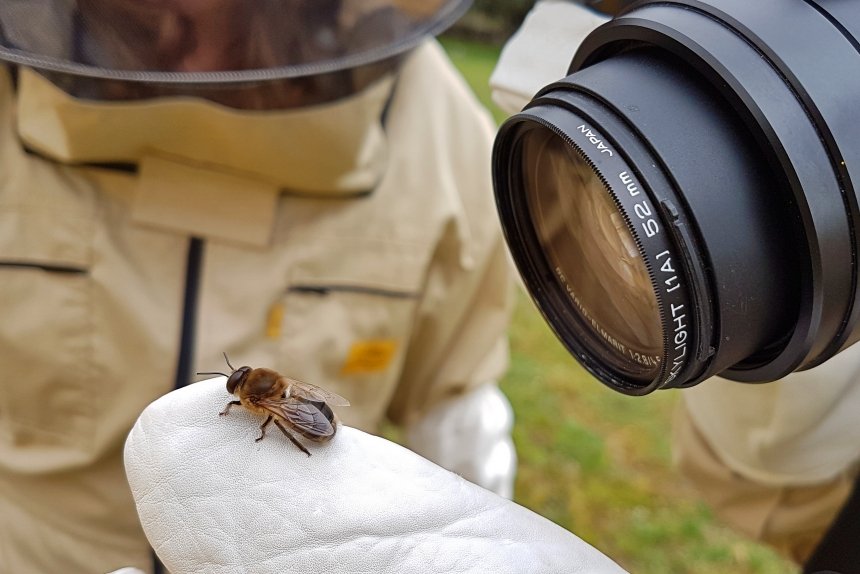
<point x="237" y="378"/>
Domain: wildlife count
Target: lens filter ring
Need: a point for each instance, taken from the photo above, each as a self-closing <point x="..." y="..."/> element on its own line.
<point x="605" y="346"/>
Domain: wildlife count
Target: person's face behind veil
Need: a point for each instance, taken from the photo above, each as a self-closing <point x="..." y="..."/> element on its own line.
<point x="227" y="36"/>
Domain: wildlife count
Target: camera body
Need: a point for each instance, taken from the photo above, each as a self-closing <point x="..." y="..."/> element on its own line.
<point x="685" y="202"/>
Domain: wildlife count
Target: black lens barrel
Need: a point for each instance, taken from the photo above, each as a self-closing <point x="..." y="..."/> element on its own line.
<point x="794" y="78"/>
<point x="740" y="118"/>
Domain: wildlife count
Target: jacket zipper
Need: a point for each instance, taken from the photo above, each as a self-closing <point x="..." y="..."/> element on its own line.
<point x="188" y="334"/>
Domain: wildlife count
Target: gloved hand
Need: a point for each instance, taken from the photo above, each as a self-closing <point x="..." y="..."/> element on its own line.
<point x="212" y="500"/>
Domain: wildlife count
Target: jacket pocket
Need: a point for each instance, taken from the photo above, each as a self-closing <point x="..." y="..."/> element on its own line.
<point x="46" y="333"/>
<point x="346" y="326"/>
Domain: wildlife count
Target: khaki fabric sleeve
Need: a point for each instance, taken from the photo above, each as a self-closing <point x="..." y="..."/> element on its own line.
<point x="792" y="519"/>
<point x="459" y="340"/>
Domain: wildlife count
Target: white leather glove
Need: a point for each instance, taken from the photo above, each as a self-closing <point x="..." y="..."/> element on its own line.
<point x="212" y="500"/>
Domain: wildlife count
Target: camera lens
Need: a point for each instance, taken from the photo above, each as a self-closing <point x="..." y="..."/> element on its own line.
<point x="683" y="204"/>
<point x="588" y="242"/>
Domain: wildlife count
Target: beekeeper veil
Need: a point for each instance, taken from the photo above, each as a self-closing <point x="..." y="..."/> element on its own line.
<point x="291" y="92"/>
<point x="246" y="53"/>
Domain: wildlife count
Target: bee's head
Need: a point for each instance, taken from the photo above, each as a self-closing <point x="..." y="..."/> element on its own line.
<point x="237" y="379"/>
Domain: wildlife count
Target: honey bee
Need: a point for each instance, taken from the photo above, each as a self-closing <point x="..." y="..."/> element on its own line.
<point x="302" y="407"/>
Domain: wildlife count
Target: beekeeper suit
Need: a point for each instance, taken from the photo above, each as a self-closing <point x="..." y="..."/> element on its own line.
<point x="303" y="185"/>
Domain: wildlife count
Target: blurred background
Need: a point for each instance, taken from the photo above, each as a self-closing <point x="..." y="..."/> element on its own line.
<point x="596" y="462"/>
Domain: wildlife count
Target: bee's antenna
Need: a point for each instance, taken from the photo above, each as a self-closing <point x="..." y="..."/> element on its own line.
<point x="215" y="373"/>
<point x="228" y="362"/>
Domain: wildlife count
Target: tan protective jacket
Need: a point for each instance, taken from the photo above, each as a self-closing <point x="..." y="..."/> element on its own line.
<point x="395" y="299"/>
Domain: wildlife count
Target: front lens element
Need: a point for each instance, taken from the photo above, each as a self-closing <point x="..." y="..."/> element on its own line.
<point x="589" y="246"/>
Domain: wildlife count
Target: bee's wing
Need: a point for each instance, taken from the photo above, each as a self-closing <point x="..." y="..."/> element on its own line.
<point x="303" y="416"/>
<point x="315" y="393"/>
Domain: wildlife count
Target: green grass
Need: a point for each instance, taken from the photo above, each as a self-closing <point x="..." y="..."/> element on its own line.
<point x="599" y="463"/>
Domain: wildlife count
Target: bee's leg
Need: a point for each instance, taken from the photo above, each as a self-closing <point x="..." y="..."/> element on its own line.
<point x="291" y="437"/>
<point x="227" y="408"/>
<point x="263" y="428"/>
